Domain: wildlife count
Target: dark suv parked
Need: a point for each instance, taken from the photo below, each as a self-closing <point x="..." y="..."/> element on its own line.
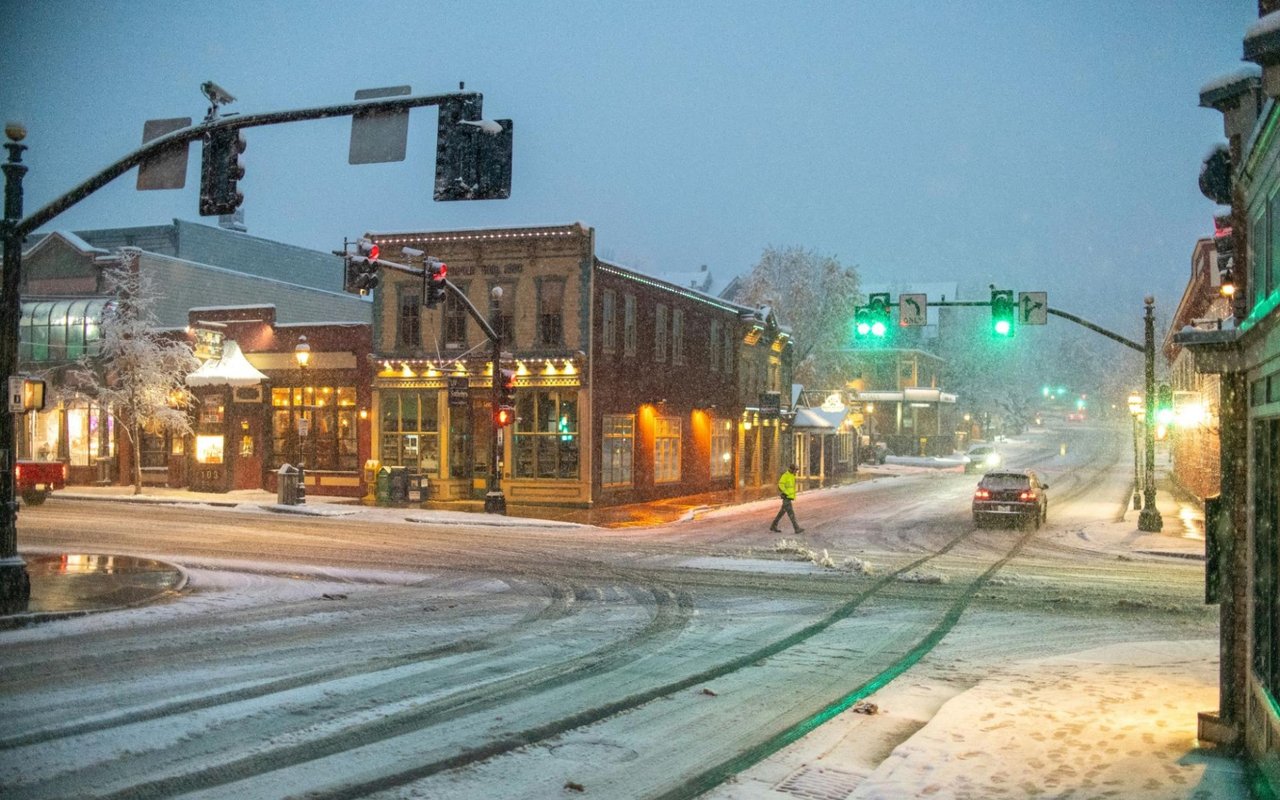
<point x="1016" y="495"/>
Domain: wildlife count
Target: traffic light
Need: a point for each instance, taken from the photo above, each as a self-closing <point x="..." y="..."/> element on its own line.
<point x="221" y="167"/>
<point x="507" y="388"/>
<point x="1164" y="404"/>
<point x="861" y="321"/>
<point x="503" y="416"/>
<point x="26" y="394"/>
<point x="872" y="320"/>
<point x="360" y="273"/>
<point x="473" y="155"/>
<point x="1002" y="312"/>
<point x="878" y="304"/>
<point x="433" y="289"/>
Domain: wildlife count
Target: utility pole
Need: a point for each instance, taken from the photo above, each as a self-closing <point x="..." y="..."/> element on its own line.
<point x="15" y="583"/>
<point x="1149" y="519"/>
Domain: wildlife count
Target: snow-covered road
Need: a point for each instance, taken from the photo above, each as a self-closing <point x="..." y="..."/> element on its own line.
<point x="366" y="656"/>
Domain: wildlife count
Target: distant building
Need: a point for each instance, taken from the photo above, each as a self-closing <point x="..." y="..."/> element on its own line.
<point x="1194" y="440"/>
<point x="900" y="384"/>
<point x="699" y="280"/>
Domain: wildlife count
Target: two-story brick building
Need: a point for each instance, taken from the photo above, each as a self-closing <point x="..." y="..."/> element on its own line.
<point x="628" y="388"/>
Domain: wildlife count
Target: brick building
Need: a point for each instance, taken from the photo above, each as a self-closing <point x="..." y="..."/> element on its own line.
<point x="628" y="388"/>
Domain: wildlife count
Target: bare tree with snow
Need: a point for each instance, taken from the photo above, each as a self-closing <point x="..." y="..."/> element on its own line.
<point x="139" y="373"/>
<point x="814" y="295"/>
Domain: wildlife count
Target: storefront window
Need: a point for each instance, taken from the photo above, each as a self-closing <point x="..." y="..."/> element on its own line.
<point x="90" y="433"/>
<point x="546" y="436"/>
<point x="40" y="436"/>
<point x="211" y="410"/>
<point x="666" y="449"/>
<point x="326" y="439"/>
<point x="209" y="449"/>
<point x="154" y="450"/>
<point x="721" y="448"/>
<point x="619" y="446"/>
<point x="410" y="429"/>
<point x="60" y="330"/>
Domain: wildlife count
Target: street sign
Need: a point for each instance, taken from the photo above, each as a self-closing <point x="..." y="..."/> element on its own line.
<point x="378" y="137"/>
<point x="770" y="403"/>
<point x="459" y="391"/>
<point x="168" y="169"/>
<point x="1033" y="308"/>
<point x="913" y="310"/>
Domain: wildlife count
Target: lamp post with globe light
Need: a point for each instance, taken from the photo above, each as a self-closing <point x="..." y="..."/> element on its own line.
<point x="1135" y="408"/>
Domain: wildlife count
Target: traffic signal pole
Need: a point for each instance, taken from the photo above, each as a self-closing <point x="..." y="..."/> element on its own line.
<point x="1149" y="519"/>
<point x="494" y="500"/>
<point x="15" y="585"/>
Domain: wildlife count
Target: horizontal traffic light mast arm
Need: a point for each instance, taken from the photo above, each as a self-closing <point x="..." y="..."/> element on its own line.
<point x="234" y="123"/>
<point x="457" y="293"/>
<point x="1098" y="329"/>
<point x="1065" y="315"/>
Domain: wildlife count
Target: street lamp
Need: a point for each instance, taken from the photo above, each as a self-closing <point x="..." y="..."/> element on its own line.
<point x="302" y="354"/>
<point x="1135" y="408"/>
<point x="494" y="500"/>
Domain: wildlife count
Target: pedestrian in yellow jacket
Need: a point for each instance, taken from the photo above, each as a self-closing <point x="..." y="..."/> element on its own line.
<point x="787" y="488"/>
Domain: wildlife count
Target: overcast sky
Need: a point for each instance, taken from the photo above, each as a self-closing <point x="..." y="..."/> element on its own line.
<point x="1036" y="145"/>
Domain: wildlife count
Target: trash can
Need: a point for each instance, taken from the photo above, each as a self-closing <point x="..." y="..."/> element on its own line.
<point x="399" y="486"/>
<point x="383" y="491"/>
<point x="288" y="479"/>
<point x="417" y="487"/>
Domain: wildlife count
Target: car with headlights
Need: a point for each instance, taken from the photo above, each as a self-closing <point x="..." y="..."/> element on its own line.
<point x="981" y="458"/>
<point x="1005" y="496"/>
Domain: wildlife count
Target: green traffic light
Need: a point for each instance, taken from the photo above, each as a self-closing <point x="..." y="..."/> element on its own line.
<point x="877" y="328"/>
<point x="863" y="329"/>
<point x="1003" y="327"/>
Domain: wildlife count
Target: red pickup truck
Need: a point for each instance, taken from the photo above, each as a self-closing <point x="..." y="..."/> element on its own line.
<point x="37" y="479"/>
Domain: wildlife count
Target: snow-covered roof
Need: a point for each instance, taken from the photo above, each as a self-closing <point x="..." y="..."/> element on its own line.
<point x="1230" y="85"/>
<point x="1262" y="40"/>
<point x="233" y="369"/>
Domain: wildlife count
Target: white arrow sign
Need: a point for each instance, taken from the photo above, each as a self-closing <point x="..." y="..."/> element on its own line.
<point x="913" y="310"/>
<point x="1033" y="308"/>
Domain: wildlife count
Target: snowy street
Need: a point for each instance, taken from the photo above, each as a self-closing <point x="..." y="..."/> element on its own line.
<point x="384" y="653"/>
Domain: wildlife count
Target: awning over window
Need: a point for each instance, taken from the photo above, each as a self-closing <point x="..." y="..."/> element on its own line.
<point x="815" y="420"/>
<point x="60" y="330"/>
<point x="232" y="369"/>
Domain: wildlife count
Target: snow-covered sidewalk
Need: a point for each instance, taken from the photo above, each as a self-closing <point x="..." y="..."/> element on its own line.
<point x="1117" y="721"/>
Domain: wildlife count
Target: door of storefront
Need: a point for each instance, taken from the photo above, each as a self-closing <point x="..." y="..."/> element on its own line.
<point x="246" y="458"/>
<point x="482" y="441"/>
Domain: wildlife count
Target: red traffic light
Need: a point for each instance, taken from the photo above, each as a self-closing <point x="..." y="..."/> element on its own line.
<point x="504" y="416"/>
<point x="367" y="249"/>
